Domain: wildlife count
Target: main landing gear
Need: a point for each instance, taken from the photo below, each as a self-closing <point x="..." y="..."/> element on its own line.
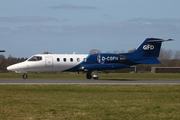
<point x="25" y="76"/>
<point x="88" y="75"/>
<point x="95" y="75"/>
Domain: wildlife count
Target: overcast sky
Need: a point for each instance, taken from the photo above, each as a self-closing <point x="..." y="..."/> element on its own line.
<point x="29" y="27"/>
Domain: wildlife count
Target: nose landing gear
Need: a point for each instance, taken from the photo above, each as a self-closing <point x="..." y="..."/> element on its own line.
<point x="25" y="76"/>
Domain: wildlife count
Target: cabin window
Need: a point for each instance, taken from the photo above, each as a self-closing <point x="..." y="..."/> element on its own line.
<point x="85" y="60"/>
<point x="35" y="58"/>
<point x="64" y="59"/>
<point x="71" y="59"/>
<point x="78" y="59"/>
<point x="58" y="59"/>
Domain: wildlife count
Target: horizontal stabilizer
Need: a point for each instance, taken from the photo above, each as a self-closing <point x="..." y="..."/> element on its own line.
<point x="151" y="41"/>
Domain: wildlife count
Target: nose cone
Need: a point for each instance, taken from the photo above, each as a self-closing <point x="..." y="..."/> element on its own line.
<point x="10" y="68"/>
<point x="13" y="67"/>
<point x="19" y="67"/>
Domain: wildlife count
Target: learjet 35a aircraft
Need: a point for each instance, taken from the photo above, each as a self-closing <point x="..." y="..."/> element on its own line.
<point x="146" y="53"/>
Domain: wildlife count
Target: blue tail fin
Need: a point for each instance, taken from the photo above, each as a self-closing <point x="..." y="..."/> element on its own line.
<point x="148" y="51"/>
<point x="150" y="48"/>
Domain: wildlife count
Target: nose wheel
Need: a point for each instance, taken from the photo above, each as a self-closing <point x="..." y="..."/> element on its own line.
<point x="24" y="76"/>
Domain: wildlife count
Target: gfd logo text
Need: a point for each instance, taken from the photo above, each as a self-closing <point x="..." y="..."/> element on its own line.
<point x="148" y="47"/>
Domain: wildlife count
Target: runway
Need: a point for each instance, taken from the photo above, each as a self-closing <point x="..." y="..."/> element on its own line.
<point x="84" y="81"/>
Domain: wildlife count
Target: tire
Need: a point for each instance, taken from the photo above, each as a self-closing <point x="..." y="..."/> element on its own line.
<point x="25" y="76"/>
<point x="88" y="76"/>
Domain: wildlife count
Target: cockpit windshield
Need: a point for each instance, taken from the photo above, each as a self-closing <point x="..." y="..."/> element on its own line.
<point x="35" y="58"/>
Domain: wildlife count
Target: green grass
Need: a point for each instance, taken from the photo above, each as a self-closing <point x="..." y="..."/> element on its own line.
<point x="101" y="76"/>
<point x="89" y="102"/>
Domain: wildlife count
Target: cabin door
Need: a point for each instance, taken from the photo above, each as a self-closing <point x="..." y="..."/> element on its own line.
<point x="49" y="62"/>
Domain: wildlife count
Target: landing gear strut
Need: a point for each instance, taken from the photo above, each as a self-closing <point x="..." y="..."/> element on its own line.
<point x="24" y="76"/>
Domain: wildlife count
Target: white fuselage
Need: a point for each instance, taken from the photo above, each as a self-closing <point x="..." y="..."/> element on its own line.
<point x="49" y="62"/>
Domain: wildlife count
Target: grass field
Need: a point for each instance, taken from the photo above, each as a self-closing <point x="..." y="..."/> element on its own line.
<point x="101" y="76"/>
<point x="89" y="102"/>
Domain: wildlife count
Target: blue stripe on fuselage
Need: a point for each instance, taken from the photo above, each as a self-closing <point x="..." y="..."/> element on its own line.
<point x="93" y="59"/>
<point x="77" y="67"/>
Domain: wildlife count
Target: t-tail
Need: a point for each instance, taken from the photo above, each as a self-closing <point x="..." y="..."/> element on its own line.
<point x="148" y="52"/>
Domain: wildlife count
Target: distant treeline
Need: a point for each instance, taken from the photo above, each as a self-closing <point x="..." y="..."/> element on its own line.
<point x="4" y="62"/>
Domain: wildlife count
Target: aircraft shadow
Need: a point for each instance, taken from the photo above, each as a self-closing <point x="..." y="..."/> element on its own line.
<point x="118" y="79"/>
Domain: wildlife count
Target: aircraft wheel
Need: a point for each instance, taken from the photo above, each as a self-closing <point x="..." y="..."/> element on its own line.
<point x="25" y="76"/>
<point x="95" y="76"/>
<point x="88" y="75"/>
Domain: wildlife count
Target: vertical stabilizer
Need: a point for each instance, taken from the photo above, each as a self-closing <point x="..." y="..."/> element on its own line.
<point x="150" y="47"/>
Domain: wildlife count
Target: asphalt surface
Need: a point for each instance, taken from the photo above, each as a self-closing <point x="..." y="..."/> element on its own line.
<point x="113" y="81"/>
